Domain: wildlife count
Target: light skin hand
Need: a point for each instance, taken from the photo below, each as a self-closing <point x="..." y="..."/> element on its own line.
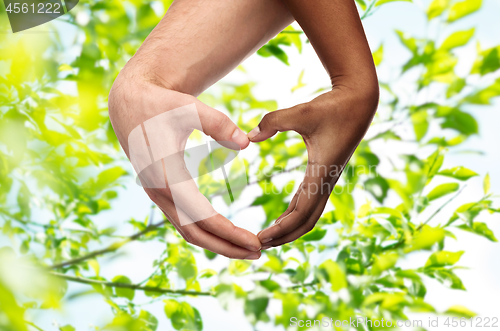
<point x="195" y="44"/>
<point x="333" y="124"/>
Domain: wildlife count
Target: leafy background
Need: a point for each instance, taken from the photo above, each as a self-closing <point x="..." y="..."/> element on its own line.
<point x="82" y="246"/>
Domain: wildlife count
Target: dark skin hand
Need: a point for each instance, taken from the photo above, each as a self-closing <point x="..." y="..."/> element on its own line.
<point x="333" y="124"/>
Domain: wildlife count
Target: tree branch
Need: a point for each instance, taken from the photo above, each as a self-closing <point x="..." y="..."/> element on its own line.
<point x="442" y="206"/>
<point x="83" y="280"/>
<point x="33" y="325"/>
<point x="368" y="11"/>
<point x="402" y="240"/>
<point x="311" y="284"/>
<point x="292" y="32"/>
<point x="111" y="248"/>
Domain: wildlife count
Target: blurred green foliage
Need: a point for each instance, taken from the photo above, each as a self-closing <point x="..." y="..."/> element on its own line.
<point x="59" y="157"/>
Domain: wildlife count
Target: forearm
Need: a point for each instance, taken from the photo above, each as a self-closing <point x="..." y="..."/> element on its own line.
<point x="336" y="33"/>
<point x="199" y="42"/>
<point x="196" y="43"/>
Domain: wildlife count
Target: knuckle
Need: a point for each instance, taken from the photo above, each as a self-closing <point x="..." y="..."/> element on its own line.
<point x="207" y="225"/>
<point x="278" y="225"/>
<point x="270" y="119"/>
<point x="156" y="194"/>
<point x="304" y="110"/>
<point x="220" y="123"/>
<point x="304" y="212"/>
<point x="191" y="237"/>
<point x="232" y="230"/>
<point x="232" y="255"/>
<point x="202" y="224"/>
<point x="309" y="227"/>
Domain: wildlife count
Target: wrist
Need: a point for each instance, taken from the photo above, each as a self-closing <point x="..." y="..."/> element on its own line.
<point x="362" y="93"/>
<point x="141" y="71"/>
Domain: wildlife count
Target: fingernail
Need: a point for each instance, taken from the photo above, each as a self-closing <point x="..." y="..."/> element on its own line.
<point x="252" y="134"/>
<point x="253" y="256"/>
<point x="263" y="248"/>
<point x="266" y="240"/>
<point x="239" y="137"/>
<point x="253" y="248"/>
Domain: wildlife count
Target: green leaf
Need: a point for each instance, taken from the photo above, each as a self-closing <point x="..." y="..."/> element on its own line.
<point x="150" y="321"/>
<point x="457" y="39"/>
<point x="420" y="306"/>
<point x="443" y="258"/>
<point x="384" y="262"/>
<point x="378" y="187"/>
<point x="344" y="205"/>
<point x="460" y="311"/>
<point x="381" y="2"/>
<point x="442" y="190"/>
<point x="300" y="84"/>
<point x="67" y="328"/>
<point x="463" y="8"/>
<point x="387" y="301"/>
<point x="469" y="211"/>
<point x="333" y="274"/>
<point x="170" y="307"/>
<point x="448" y="277"/>
<point x="157" y="281"/>
<point x="460" y="121"/>
<point x="237" y="267"/>
<point x="315" y="235"/>
<point x="207" y="273"/>
<point x="436" y="8"/>
<point x="408" y="41"/>
<point x="487" y="62"/>
<point x="94" y="265"/>
<point x="378" y="55"/>
<point x="425" y="238"/>
<point x="486" y="184"/>
<point x="183" y="316"/>
<point x="123" y="292"/>
<point x="210" y="255"/>
<point x="255" y="309"/>
<point x="273" y="202"/>
<point x="433" y="163"/>
<point x="108" y="177"/>
<point x="362" y="4"/>
<point x="481" y="229"/>
<point x="99" y="288"/>
<point x="456" y="87"/>
<point x="274" y="264"/>
<point x="420" y="124"/>
<point x="484" y="96"/>
<point x="460" y="173"/>
<point x="273" y="50"/>
<point x="270" y="285"/>
<point x="183" y="261"/>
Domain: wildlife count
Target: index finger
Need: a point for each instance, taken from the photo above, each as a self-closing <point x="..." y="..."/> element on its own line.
<point x="312" y="195"/>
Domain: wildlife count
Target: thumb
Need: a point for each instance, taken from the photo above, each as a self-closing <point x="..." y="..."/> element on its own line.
<point x="220" y="127"/>
<point x="278" y="120"/>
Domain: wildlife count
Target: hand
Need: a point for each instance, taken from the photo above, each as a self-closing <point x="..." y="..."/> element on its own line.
<point x="333" y="124"/>
<point x="336" y="123"/>
<point x="132" y="103"/>
<point x="195" y="44"/>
